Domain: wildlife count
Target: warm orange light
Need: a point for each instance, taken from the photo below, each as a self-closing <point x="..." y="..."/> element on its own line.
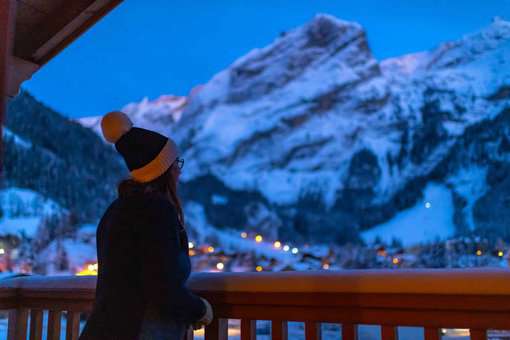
<point x="86" y="272"/>
<point x="192" y="252"/>
<point x="396" y="260"/>
<point x="258" y="238"/>
<point x="478" y="252"/>
<point x="277" y="244"/>
<point x="210" y="249"/>
<point x="90" y="269"/>
<point x="258" y="268"/>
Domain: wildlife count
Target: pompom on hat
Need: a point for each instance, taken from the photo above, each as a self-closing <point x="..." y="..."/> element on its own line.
<point x="146" y="153"/>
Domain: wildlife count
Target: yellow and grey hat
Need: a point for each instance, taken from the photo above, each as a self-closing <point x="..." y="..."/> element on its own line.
<point x="146" y="153"/>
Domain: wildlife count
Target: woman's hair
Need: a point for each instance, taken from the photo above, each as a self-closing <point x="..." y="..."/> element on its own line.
<point x="164" y="184"/>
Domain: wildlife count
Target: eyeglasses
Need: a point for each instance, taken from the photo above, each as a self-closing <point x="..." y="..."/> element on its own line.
<point x="179" y="162"/>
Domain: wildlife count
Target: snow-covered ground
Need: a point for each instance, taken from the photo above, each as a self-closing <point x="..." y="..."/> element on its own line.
<point x="430" y="218"/>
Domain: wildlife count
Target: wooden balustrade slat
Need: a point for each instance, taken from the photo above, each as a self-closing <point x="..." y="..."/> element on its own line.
<point x="478" y="334"/>
<point x="248" y="329"/>
<point x="17" y="324"/>
<point x="388" y="332"/>
<point x="432" y="333"/>
<point x="72" y="325"/>
<point x="36" y="324"/>
<point x="312" y="330"/>
<point x="279" y="330"/>
<point x="349" y="331"/>
<point x="54" y="322"/>
<point x="217" y="330"/>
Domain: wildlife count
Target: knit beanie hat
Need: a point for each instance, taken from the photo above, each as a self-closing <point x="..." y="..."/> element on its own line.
<point x="146" y="153"/>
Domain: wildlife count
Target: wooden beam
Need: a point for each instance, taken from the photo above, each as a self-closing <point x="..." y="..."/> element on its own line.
<point x="64" y="33"/>
<point x="20" y="70"/>
<point x="7" y="24"/>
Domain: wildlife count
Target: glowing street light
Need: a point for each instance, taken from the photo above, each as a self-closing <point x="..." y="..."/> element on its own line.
<point x="500" y="253"/>
<point x="210" y="249"/>
<point x="220" y="265"/>
<point x="277" y="244"/>
<point x="428" y="205"/>
<point x="190" y="245"/>
<point x="325" y="266"/>
<point x="2" y="251"/>
<point x="244" y="234"/>
<point x="258" y="238"/>
<point x="395" y="260"/>
<point x="258" y="268"/>
<point x="286" y="248"/>
<point x="294" y="250"/>
<point x="478" y="252"/>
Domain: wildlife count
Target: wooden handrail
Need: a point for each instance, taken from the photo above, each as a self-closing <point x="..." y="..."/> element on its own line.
<point x="478" y="299"/>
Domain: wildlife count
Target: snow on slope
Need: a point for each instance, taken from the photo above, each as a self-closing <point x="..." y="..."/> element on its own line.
<point x="23" y="210"/>
<point x="17" y="139"/>
<point x="229" y="240"/>
<point x="77" y="254"/>
<point x="315" y="112"/>
<point x="429" y="219"/>
<point x="158" y="114"/>
<point x="289" y="117"/>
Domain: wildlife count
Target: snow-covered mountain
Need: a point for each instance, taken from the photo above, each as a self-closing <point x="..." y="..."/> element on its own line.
<point x="155" y="114"/>
<point x="312" y="136"/>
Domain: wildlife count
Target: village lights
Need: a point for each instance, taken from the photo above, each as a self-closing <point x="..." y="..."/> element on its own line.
<point x="244" y="234"/>
<point x="258" y="268"/>
<point x="2" y="251"/>
<point x="286" y="248"/>
<point x="428" y="205"/>
<point x="90" y="269"/>
<point x="210" y="249"/>
<point x="277" y="244"/>
<point x="395" y="260"/>
<point x="325" y="266"/>
<point x="478" y="252"/>
<point x="294" y="250"/>
<point x="258" y="238"/>
<point x="500" y="253"/>
<point x="220" y="265"/>
<point x="191" y="252"/>
<point x="190" y="245"/>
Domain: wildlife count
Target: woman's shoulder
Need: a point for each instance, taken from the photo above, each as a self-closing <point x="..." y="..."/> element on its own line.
<point x="151" y="205"/>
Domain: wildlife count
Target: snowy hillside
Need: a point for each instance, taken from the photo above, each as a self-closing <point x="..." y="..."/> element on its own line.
<point x="23" y="211"/>
<point x="312" y="136"/>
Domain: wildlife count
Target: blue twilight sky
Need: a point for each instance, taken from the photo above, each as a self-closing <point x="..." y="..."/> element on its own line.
<point x="170" y="46"/>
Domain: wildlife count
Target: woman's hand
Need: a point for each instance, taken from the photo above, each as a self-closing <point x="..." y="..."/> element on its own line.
<point x="206" y="318"/>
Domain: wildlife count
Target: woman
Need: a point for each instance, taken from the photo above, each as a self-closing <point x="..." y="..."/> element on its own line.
<point x="142" y="247"/>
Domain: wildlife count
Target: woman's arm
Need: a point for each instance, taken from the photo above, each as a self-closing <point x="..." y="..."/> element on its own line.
<point x="161" y="269"/>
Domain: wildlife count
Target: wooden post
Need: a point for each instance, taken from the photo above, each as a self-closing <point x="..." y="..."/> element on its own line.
<point x="17" y="324"/>
<point x="279" y="330"/>
<point x="7" y="24"/>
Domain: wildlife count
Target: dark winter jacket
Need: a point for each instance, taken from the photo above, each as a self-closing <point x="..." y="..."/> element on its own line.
<point x="143" y="264"/>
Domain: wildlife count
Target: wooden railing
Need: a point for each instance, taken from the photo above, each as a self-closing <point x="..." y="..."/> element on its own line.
<point x="476" y="299"/>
